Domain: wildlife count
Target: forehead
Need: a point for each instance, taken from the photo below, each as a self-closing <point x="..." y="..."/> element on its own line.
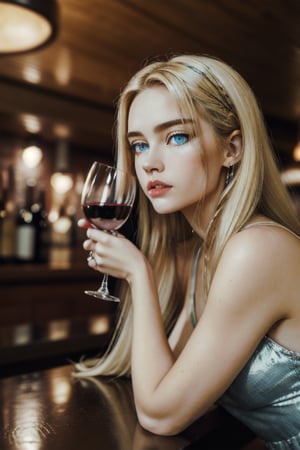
<point x="153" y="105"/>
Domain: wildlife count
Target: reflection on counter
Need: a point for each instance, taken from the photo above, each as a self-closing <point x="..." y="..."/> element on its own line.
<point x="50" y="409"/>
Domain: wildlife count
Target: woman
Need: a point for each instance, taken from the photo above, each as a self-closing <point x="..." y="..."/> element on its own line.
<point x="212" y="312"/>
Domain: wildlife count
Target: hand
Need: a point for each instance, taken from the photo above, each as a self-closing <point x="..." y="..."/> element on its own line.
<point x="112" y="254"/>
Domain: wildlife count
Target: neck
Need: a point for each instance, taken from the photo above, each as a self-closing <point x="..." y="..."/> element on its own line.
<point x="200" y="215"/>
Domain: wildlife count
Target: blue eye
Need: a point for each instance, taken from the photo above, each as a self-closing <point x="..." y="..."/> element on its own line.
<point x="179" y="138"/>
<point x="139" y="147"/>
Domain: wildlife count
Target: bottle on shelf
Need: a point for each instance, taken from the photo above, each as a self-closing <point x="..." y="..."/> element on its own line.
<point x="26" y="229"/>
<point x="7" y="216"/>
<point x="3" y="195"/>
<point x="42" y="229"/>
<point x="32" y="229"/>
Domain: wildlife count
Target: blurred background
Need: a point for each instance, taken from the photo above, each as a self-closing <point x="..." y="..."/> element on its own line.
<point x="57" y="109"/>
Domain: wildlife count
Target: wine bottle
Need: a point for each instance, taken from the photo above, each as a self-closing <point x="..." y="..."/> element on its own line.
<point x="42" y="229"/>
<point x="26" y="229"/>
<point x="2" y="215"/>
<point x="7" y="217"/>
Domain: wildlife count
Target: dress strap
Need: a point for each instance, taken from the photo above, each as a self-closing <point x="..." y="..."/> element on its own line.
<point x="193" y="315"/>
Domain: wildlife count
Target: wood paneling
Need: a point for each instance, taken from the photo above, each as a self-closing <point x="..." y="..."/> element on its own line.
<point x="75" y="81"/>
<point x="33" y="294"/>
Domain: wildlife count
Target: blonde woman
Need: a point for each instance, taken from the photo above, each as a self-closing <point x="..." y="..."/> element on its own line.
<point x="212" y="310"/>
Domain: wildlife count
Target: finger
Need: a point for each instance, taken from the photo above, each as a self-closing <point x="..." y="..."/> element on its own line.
<point x="103" y="235"/>
<point x="88" y="244"/>
<point x="91" y="260"/>
<point x="95" y="234"/>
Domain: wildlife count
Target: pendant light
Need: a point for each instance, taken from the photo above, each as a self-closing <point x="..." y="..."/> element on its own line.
<point x="27" y="25"/>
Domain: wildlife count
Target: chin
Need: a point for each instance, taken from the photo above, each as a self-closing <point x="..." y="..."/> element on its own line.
<point x="164" y="209"/>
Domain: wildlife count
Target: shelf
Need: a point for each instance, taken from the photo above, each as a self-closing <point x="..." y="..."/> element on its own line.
<point x="36" y="293"/>
<point x="42" y="272"/>
<point x="76" y="268"/>
<point x="52" y="342"/>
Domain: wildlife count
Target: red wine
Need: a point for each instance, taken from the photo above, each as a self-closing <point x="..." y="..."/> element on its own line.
<point x="109" y="216"/>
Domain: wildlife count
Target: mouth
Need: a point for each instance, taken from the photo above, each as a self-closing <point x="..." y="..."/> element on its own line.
<point x="157" y="188"/>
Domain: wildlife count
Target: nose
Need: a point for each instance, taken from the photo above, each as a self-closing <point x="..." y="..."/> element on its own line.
<point x="152" y="161"/>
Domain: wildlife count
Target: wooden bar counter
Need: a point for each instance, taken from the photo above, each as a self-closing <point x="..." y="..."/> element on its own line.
<point x="46" y="321"/>
<point x="52" y="410"/>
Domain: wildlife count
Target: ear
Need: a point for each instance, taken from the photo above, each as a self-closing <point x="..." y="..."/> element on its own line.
<point x="233" y="149"/>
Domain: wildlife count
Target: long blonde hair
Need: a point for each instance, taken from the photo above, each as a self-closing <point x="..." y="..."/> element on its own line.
<point x="206" y="87"/>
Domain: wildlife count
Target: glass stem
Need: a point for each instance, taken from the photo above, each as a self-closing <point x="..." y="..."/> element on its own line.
<point x="104" y="288"/>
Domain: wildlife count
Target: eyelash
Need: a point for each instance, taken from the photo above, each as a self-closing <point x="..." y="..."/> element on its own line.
<point x="177" y="134"/>
<point x="134" y="146"/>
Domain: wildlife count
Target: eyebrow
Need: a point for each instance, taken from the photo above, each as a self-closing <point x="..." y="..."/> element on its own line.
<point x="163" y="126"/>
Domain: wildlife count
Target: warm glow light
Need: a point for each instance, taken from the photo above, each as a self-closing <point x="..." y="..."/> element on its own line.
<point x="60" y="391"/>
<point x="99" y="325"/>
<point x="296" y="152"/>
<point x="79" y="184"/>
<point x="32" y="74"/>
<point x="61" y="182"/>
<point x="32" y="156"/>
<point x="62" y="225"/>
<point x="21" y="29"/>
<point x="291" y="176"/>
<point x="22" y="334"/>
<point x="58" y="329"/>
<point x="31" y="123"/>
<point x="53" y="215"/>
<point x="63" y="67"/>
<point x="29" y="430"/>
<point x="61" y="131"/>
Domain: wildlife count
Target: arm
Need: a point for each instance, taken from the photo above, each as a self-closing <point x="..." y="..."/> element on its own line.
<point x="243" y="304"/>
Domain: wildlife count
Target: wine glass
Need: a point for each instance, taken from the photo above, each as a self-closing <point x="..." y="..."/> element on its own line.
<point x="107" y="199"/>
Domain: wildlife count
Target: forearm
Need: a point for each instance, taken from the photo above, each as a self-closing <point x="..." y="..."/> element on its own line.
<point x="151" y="355"/>
<point x="152" y="358"/>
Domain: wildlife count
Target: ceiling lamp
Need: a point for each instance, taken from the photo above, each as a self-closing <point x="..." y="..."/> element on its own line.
<point x="26" y="25"/>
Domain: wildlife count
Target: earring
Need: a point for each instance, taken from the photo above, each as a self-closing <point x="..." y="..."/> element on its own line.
<point x="230" y="175"/>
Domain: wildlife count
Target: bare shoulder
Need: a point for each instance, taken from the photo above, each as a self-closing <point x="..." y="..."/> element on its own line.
<point x="260" y="265"/>
<point x="264" y="244"/>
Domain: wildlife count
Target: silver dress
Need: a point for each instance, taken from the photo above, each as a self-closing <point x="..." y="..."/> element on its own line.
<point x="265" y="396"/>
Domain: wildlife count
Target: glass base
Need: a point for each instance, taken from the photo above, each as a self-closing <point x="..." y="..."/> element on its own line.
<point x="103" y="296"/>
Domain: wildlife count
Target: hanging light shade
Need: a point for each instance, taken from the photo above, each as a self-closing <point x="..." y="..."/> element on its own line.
<point x="26" y="25"/>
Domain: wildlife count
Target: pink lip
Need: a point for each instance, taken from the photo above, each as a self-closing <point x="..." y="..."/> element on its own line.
<point x="157" y="188"/>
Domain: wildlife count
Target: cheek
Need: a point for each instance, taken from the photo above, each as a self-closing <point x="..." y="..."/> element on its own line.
<point x="193" y="170"/>
<point x="139" y="174"/>
<point x="192" y="181"/>
<point x="138" y="170"/>
<point x="214" y="169"/>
